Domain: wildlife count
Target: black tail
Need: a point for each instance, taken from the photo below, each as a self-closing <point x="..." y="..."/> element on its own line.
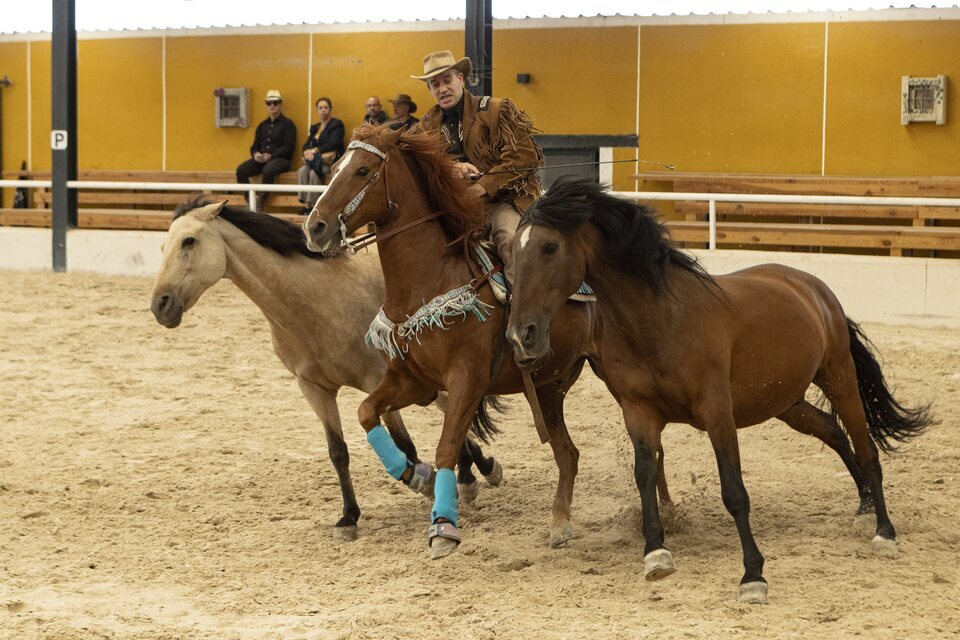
<point x="887" y="419"/>
<point x="483" y="425"/>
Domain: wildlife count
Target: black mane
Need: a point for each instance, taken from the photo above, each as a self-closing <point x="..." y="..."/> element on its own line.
<point x="634" y="239"/>
<point x="286" y="238"/>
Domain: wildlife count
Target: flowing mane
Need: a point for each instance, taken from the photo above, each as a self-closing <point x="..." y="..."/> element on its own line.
<point x="268" y="231"/>
<point x="425" y="153"/>
<point x="633" y="238"/>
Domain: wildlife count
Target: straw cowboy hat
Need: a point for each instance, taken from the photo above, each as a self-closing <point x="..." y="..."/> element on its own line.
<point x="439" y="61"/>
<point x="273" y="94"/>
<point x="404" y="98"/>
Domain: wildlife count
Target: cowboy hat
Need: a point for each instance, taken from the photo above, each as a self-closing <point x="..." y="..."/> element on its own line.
<point x="273" y="94"/>
<point x="404" y="98"/>
<point x="439" y="61"/>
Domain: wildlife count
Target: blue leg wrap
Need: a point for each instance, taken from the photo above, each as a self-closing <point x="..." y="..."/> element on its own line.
<point x="394" y="460"/>
<point x="445" y="496"/>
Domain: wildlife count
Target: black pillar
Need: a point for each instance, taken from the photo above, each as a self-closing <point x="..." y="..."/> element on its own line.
<point x="479" y="46"/>
<point x="63" y="138"/>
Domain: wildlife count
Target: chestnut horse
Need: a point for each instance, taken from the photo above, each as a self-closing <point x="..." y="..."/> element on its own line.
<point x="403" y="181"/>
<point x="317" y="311"/>
<point x="718" y="353"/>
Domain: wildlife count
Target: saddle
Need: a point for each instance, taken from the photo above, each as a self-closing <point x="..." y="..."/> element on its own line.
<point x="487" y="258"/>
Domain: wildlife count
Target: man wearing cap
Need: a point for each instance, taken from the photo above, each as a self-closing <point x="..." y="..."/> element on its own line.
<point x="403" y="107"/>
<point x="488" y="137"/>
<point x="272" y="147"/>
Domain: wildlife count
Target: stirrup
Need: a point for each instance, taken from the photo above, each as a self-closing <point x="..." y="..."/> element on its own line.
<point x="422" y="479"/>
<point x="443" y="530"/>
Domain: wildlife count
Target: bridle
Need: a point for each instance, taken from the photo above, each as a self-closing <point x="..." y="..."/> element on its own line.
<point x="352" y="206"/>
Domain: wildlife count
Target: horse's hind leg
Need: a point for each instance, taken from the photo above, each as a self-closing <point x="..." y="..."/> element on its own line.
<point x="467" y="487"/>
<point x="489" y="468"/>
<point x="809" y="420"/>
<point x="567" y="458"/>
<point x="840" y="387"/>
<point x="324" y="403"/>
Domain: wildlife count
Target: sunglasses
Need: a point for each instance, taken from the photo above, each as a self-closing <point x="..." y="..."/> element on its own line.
<point x="273" y="103"/>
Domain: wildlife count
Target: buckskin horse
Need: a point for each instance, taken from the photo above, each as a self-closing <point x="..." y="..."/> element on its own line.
<point x="403" y="183"/>
<point x="318" y="311"/>
<point x="719" y="353"/>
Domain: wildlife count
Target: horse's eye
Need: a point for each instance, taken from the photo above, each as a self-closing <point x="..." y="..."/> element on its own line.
<point x="189" y="241"/>
<point x="362" y="171"/>
<point x="550" y="248"/>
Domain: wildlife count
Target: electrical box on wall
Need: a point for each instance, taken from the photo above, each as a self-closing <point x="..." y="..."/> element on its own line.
<point x="231" y="107"/>
<point x="923" y="99"/>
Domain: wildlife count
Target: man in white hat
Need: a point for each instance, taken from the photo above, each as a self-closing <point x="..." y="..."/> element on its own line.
<point x="488" y="136"/>
<point x="272" y="147"/>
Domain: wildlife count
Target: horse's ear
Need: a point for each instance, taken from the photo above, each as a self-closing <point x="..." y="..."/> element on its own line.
<point x="391" y="137"/>
<point x="210" y="211"/>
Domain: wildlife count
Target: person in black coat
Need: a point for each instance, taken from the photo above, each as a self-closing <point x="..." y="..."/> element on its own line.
<point x="272" y="148"/>
<point x="323" y="147"/>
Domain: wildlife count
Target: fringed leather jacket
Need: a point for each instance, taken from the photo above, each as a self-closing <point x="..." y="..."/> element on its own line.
<point x="497" y="136"/>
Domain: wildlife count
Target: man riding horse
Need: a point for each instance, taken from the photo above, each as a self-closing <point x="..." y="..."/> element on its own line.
<point x="489" y="137"/>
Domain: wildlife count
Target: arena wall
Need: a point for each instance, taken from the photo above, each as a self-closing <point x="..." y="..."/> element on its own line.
<point x="918" y="291"/>
<point x="701" y="94"/>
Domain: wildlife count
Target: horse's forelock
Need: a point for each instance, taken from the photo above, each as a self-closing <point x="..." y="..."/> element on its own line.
<point x="193" y="202"/>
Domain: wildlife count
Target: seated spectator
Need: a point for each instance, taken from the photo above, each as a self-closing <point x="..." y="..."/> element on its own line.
<point x="323" y="147"/>
<point x="375" y="114"/>
<point x="403" y="106"/>
<point x="272" y="147"/>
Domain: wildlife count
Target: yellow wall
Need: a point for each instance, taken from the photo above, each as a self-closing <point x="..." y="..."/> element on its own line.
<point x="728" y="98"/>
<point x="13" y="63"/>
<point x="864" y="134"/>
<point x="119" y="104"/>
<point x="742" y="98"/>
<point x="583" y="80"/>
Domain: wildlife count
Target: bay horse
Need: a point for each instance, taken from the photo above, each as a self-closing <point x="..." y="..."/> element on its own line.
<point x="403" y="181"/>
<point x="317" y="309"/>
<point x="718" y="353"/>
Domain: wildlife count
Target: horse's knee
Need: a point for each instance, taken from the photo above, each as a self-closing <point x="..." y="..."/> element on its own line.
<point x="368" y="415"/>
<point x="339" y="454"/>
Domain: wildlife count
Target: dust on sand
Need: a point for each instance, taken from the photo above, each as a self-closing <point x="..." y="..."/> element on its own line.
<point x="174" y="484"/>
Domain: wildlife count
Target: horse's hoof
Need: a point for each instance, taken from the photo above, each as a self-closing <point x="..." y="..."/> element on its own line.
<point x="496" y="475"/>
<point x="442" y="547"/>
<point x="753" y="592"/>
<point x="658" y="564"/>
<point x="559" y="536"/>
<point x="884" y="547"/>
<point x="345" y="534"/>
<point x="468" y="492"/>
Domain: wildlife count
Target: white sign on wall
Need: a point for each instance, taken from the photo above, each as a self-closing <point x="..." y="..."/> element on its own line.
<point x="58" y="139"/>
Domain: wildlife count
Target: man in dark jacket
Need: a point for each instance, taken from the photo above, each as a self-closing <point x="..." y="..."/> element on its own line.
<point x="272" y="147"/>
<point x="488" y="136"/>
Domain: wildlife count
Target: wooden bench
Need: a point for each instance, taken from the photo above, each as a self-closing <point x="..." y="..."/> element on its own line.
<point x="862" y="228"/>
<point x="138" y="209"/>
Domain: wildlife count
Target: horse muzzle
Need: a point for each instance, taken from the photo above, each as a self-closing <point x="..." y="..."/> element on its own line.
<point x="322" y="237"/>
<point x="531" y="343"/>
<point x="167" y="310"/>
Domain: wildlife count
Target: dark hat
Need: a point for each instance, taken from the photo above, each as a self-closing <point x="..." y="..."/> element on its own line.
<point x="402" y="97"/>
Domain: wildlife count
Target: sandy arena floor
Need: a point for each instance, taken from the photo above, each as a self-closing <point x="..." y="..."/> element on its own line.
<point x="161" y="483"/>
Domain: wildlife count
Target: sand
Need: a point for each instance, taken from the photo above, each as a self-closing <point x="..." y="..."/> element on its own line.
<point x="161" y="483"/>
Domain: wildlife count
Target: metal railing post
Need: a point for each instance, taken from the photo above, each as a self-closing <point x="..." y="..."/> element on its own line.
<point x="253" y="199"/>
<point x="712" y="215"/>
